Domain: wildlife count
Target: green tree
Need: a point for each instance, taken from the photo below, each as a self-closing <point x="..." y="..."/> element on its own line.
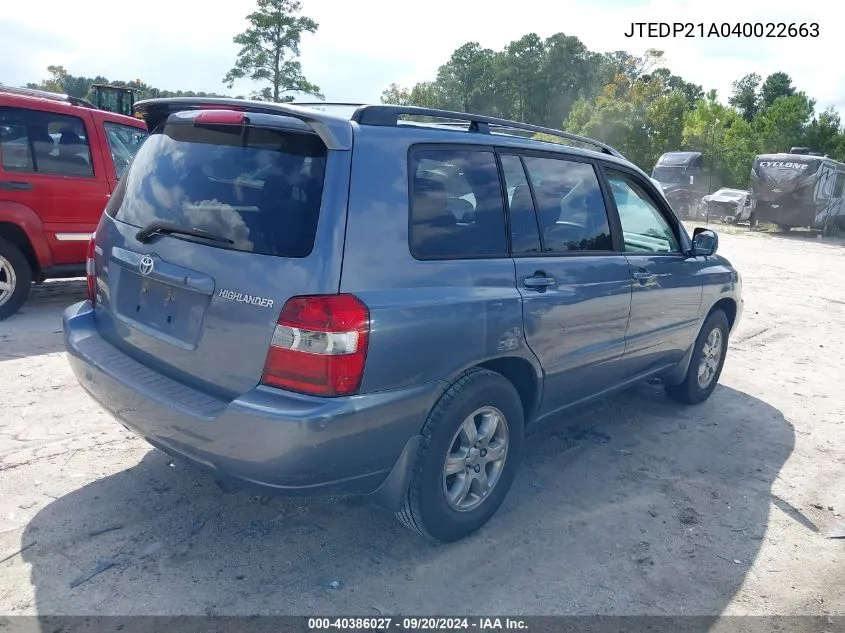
<point x="705" y="128"/>
<point x="825" y="134"/>
<point x="58" y="80"/>
<point x="642" y="119"/>
<point x="664" y="125"/>
<point x="521" y="71"/>
<point x="744" y="96"/>
<point x="571" y="70"/>
<point x="612" y="118"/>
<point x="783" y="124"/>
<point x="673" y="83"/>
<point x="467" y="79"/>
<point x="396" y="95"/>
<point x="630" y="101"/>
<point x="427" y="95"/>
<point x="270" y="48"/>
<point x="735" y="146"/>
<point x="776" y="85"/>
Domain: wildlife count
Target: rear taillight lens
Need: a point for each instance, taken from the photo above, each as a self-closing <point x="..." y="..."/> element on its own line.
<point x="319" y="346"/>
<point x="90" y="271"/>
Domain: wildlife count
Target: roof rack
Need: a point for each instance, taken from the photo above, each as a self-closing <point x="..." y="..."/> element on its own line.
<point x="388" y="115"/>
<point x="44" y="94"/>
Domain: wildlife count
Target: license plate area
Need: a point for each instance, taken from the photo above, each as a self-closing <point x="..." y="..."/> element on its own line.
<point x="164" y="310"/>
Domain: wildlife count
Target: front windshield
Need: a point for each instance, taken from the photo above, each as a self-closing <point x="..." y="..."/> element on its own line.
<point x="668" y="175"/>
<point x="124" y="141"/>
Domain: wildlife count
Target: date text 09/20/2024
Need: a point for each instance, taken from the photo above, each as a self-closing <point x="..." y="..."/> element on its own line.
<point x="476" y="624"/>
<point x="724" y="29"/>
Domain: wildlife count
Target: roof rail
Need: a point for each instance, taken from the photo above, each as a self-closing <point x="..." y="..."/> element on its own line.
<point x="44" y="94"/>
<point x="335" y="132"/>
<point x="388" y="115"/>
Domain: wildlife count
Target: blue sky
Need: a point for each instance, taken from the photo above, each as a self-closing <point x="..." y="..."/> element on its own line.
<point x="361" y="47"/>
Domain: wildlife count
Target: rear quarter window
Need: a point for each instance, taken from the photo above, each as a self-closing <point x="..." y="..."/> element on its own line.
<point x="457" y="207"/>
<point x="260" y="188"/>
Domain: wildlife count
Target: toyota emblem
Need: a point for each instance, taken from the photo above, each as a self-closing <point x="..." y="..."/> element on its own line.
<point x="146" y="265"/>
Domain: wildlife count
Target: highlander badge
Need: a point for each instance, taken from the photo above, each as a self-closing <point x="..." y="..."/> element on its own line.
<point x="231" y="295"/>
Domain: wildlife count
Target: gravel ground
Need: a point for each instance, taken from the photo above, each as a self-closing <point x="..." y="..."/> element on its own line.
<point x="636" y="505"/>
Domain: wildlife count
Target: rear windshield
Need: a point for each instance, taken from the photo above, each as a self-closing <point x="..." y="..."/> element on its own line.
<point x="260" y="188"/>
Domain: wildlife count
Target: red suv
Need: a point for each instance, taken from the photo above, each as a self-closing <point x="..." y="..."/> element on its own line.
<point x="60" y="160"/>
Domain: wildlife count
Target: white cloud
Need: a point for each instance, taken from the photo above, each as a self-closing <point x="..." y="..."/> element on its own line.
<point x="363" y="46"/>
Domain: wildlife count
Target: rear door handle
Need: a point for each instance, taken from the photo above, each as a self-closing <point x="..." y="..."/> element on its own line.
<point x="538" y="281"/>
<point x="642" y="275"/>
<point x="15" y="185"/>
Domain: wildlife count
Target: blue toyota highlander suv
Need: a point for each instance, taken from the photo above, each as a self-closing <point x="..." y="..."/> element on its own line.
<point x="380" y="300"/>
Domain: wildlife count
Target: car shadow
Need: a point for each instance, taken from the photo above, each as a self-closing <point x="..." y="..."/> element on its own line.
<point x="36" y="328"/>
<point x="636" y="505"/>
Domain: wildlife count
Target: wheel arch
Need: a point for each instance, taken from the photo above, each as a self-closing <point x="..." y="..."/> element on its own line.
<point x="16" y="236"/>
<point x="728" y="306"/>
<point x="523" y="376"/>
<point x="21" y="225"/>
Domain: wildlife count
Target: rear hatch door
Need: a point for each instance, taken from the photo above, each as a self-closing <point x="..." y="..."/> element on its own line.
<point x="220" y="219"/>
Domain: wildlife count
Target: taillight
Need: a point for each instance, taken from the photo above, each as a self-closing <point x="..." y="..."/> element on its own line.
<point x="90" y="271"/>
<point x="319" y="346"/>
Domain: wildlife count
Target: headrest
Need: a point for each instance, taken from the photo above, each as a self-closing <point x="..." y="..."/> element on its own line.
<point x="430" y="202"/>
<point x="548" y="202"/>
<point x="70" y="138"/>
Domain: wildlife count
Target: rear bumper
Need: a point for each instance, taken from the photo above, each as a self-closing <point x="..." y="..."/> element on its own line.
<point x="273" y="440"/>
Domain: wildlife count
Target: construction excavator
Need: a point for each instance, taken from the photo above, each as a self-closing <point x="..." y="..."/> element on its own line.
<point x="117" y="99"/>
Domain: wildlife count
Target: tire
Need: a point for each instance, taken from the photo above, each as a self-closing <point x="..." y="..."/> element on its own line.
<point x="690" y="390"/>
<point x="785" y="228"/>
<point x="426" y="509"/>
<point x="752" y="220"/>
<point x="15" y="272"/>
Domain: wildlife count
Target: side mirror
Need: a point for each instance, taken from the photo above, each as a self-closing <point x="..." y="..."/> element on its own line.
<point x="704" y="242"/>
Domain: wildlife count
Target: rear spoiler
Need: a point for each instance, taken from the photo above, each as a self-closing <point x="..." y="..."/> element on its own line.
<point x="334" y="131"/>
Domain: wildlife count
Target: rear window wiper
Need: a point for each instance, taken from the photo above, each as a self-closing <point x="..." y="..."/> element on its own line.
<point x="169" y="228"/>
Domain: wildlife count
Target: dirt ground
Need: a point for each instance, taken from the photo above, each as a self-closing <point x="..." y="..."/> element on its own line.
<point x="635" y="506"/>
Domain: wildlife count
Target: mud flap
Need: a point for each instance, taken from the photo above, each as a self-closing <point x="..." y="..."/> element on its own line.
<point x="390" y="495"/>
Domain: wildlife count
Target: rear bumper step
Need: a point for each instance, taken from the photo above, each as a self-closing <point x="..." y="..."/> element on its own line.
<point x="277" y="441"/>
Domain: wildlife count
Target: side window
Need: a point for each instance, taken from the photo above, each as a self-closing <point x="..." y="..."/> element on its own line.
<point x="525" y="237"/>
<point x="570" y="205"/>
<point x="457" y="210"/>
<point x="643" y="226"/>
<point x="840" y="180"/>
<point x="60" y="144"/>
<point x="124" y="141"/>
<point x="15" y="151"/>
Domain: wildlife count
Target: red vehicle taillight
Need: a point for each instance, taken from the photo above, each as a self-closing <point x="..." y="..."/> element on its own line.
<point x="90" y="271"/>
<point x="319" y="346"/>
